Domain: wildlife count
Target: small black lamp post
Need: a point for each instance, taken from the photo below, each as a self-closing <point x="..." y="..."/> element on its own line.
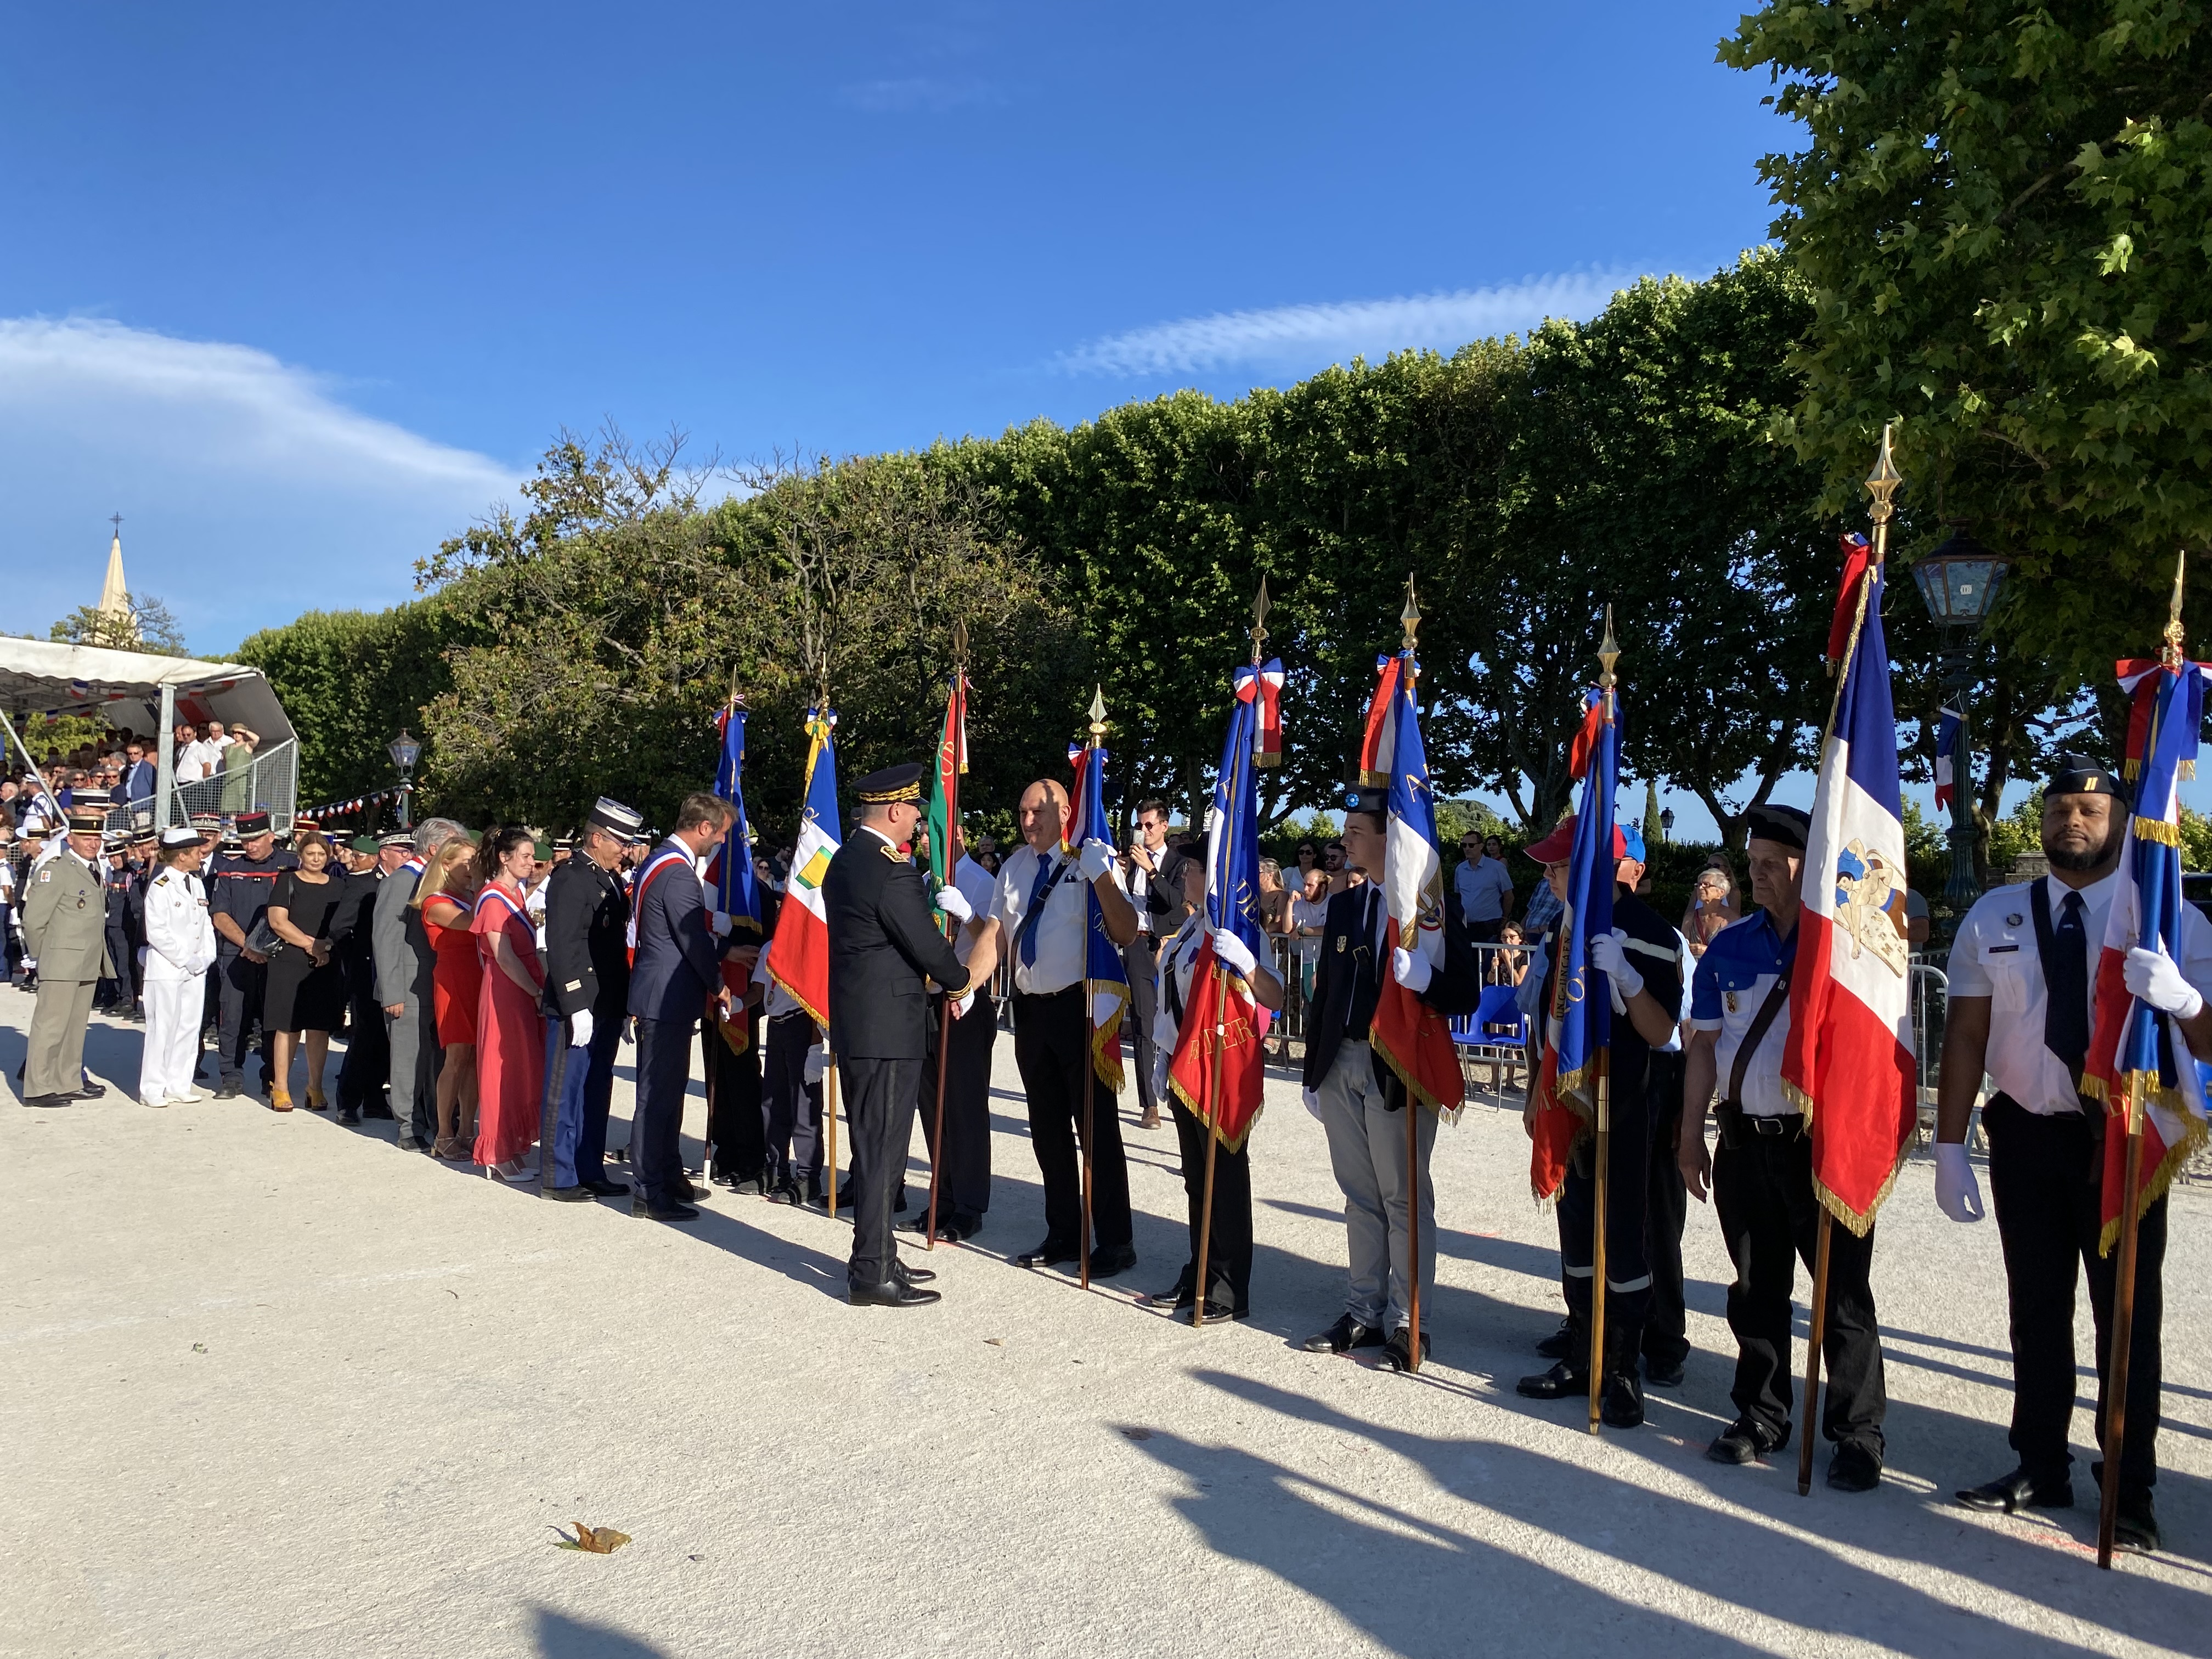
<point x="1959" y="582"/>
<point x="404" y="753"/>
<point x="1666" y="823"/>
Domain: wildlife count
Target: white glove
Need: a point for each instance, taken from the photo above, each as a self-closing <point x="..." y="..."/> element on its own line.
<point x="1233" y="951"/>
<point x="580" y="1029"/>
<point x="1097" y="860"/>
<point x="1310" y="1099"/>
<point x="965" y="1001"/>
<point x="719" y="921"/>
<point x="1957" y="1194"/>
<point x="1607" y="956"/>
<point x="955" y="905"/>
<point x="2152" y="975"/>
<point x="817" y="1062"/>
<point x="1411" y="969"/>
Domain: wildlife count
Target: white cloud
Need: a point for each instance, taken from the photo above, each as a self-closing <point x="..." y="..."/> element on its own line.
<point x="1296" y="336"/>
<point x="250" y="491"/>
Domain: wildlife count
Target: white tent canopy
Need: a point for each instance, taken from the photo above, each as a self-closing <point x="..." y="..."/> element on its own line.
<point x="124" y="688"/>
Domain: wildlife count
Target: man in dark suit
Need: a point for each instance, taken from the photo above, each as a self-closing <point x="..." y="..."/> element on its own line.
<point x="368" y="1047"/>
<point x="140" y="775"/>
<point x="677" y="973"/>
<point x="586" y="995"/>
<point x="1357" y="1096"/>
<point x="1154" y="871"/>
<point x="885" y="949"/>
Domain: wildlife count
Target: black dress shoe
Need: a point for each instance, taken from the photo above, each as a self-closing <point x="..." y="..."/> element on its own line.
<point x="890" y="1293"/>
<point x="1855" y="1468"/>
<point x="1345" y="1335"/>
<point x="786" y="1192"/>
<point x="1108" y="1259"/>
<point x="1569" y="1379"/>
<point x="378" y="1109"/>
<point x="910" y="1275"/>
<point x="607" y="1188"/>
<point x="90" y="1090"/>
<point x="2135" y="1528"/>
<point x="138" y="1013"/>
<point x="412" y="1143"/>
<point x="688" y="1191"/>
<point x="1398" y="1351"/>
<point x="349" y="1115"/>
<point x="1660" y="1375"/>
<point x="1621" y="1401"/>
<point x="2020" y="1490"/>
<point x="1562" y="1342"/>
<point x="230" y="1088"/>
<point x="50" y="1100"/>
<point x="663" y="1210"/>
<point x="1048" y="1253"/>
<point x="1745" y="1442"/>
<point x="576" y="1195"/>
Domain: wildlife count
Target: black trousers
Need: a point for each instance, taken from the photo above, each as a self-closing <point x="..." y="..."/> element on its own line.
<point x="120" y="987"/>
<point x="737" y="1125"/>
<point x="1052" y="1047"/>
<point x="241" y="986"/>
<point x="1770" y="1218"/>
<point x="1229" y="1247"/>
<point x="794" y="1106"/>
<point x="368" y="1046"/>
<point x="663" y="1074"/>
<point x="2043" y="1180"/>
<point x="1665" y="1211"/>
<point x="1139" y="957"/>
<point x="879" y="1095"/>
<point x="963" y="1187"/>
<point x="1627" y="1268"/>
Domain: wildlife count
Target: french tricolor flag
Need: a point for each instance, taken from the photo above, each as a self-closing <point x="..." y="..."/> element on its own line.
<point x="2131" y="1041"/>
<point x="1848" y="1061"/>
<point x="1947" y="756"/>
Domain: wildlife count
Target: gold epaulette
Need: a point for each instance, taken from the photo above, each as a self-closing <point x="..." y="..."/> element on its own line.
<point x="890" y="852"/>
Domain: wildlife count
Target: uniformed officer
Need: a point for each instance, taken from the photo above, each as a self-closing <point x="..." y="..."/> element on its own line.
<point x="586" y="998"/>
<point x="885" y="949"/>
<point x="963" y="1194"/>
<point x="65" y="927"/>
<point x="2019" y="1008"/>
<point x="145" y="848"/>
<point x="180" y="949"/>
<point x="238" y="899"/>
<point x="1044" y="927"/>
<point x="1761" y="1178"/>
<point x="116" y="995"/>
<point x="1639" y="958"/>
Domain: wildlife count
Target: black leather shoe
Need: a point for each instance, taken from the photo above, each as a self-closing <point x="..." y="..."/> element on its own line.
<point x="378" y="1109"/>
<point x="1566" y="1380"/>
<point x="1745" y="1442"/>
<point x="89" y="1091"/>
<point x="1660" y="1375"/>
<point x="1178" y="1296"/>
<point x="412" y="1143"/>
<point x="2135" y="1528"/>
<point x="1048" y="1253"/>
<point x="1108" y="1259"/>
<point x="50" y="1100"/>
<point x="577" y="1194"/>
<point x="1398" y="1351"/>
<point x="2020" y="1490"/>
<point x="1854" y="1468"/>
<point x="138" y="1013"/>
<point x="892" y="1293"/>
<point x="1342" y="1337"/>
<point x="607" y="1188"/>
<point x="688" y="1191"/>
<point x="230" y="1088"/>
<point x="662" y="1212"/>
<point x="786" y="1192"/>
<point x="349" y="1115"/>
<point x="910" y="1275"/>
<point x="952" y="1229"/>
<point x="1562" y="1342"/>
<point x="1621" y="1401"/>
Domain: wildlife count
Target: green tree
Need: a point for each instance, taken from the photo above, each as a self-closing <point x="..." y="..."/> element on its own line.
<point x="147" y="626"/>
<point x="2001" y="211"/>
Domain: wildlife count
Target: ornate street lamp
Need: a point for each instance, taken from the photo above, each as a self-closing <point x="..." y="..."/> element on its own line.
<point x="1666" y="823"/>
<point x="404" y="753"/>
<point x="1959" y="582"/>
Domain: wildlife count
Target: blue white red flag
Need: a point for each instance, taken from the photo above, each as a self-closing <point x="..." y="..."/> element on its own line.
<point x="730" y="874"/>
<point x="1847" y="1062"/>
<point x="797" y="957"/>
<point x="1104" y="970"/>
<point x="1222" y="1015"/>
<point x="2131" y="1041"/>
<point x="1947" y="756"/>
<point x="1414" y="1039"/>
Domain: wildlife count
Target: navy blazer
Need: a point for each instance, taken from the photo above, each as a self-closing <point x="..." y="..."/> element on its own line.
<point x="140" y="780"/>
<point x="678" y="965"/>
<point x="1347" y="982"/>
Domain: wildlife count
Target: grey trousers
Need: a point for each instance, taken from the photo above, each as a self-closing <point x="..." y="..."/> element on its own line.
<point x="55" y="1064"/>
<point x="1367" y="1153"/>
<point x="404" y="1032"/>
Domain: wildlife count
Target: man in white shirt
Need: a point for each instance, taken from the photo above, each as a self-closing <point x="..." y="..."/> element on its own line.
<point x="964" y="1169"/>
<point x="2021" y="995"/>
<point x="1485" y="890"/>
<point x="1153" y="871"/>
<point x="1041" y="906"/>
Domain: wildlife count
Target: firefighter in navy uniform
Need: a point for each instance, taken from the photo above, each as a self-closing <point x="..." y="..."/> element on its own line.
<point x="238" y="898"/>
<point x="885" y="951"/>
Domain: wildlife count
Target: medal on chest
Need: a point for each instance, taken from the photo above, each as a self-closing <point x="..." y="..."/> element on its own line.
<point x="1734" y="1007"/>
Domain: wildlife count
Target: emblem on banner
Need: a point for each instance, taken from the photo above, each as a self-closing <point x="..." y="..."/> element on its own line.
<point x="1870" y="899"/>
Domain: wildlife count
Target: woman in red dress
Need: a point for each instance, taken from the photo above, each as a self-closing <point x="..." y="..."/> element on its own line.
<point x="447" y="896"/>
<point x="510" y="1032"/>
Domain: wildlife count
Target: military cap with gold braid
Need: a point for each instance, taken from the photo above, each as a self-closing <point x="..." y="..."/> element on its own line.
<point x="2078" y="774"/>
<point x="85" y="820"/>
<point x="893" y="783"/>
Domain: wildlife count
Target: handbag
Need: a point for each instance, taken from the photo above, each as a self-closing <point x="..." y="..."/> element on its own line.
<point x="262" y="940"/>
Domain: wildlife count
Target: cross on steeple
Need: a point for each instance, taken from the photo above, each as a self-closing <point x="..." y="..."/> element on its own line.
<point x="117" y="522"/>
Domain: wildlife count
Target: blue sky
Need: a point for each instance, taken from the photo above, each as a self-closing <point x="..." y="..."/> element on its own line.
<point x="300" y="290"/>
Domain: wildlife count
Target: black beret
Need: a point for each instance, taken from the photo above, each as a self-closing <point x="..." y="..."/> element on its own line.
<point x="1787" y="824"/>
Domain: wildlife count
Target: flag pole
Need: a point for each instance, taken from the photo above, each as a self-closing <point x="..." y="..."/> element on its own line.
<point x="1881" y="483"/>
<point x="1411" y="618"/>
<point x="1090" y="1000"/>
<point x="1609" y="654"/>
<point x="956" y="717"/>
<point x="2123" y="1321"/>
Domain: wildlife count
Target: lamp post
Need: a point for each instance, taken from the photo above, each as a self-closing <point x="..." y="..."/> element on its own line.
<point x="1666" y="823"/>
<point x="1959" y="583"/>
<point x="404" y="753"/>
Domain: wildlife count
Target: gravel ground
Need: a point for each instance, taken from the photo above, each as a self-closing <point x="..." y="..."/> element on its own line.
<point x="273" y="1389"/>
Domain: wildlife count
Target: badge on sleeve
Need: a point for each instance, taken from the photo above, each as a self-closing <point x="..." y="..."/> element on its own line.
<point x="46" y="876"/>
<point x="1339" y="944"/>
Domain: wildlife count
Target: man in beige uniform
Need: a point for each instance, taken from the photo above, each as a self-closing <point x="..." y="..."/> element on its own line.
<point x="65" y="927"/>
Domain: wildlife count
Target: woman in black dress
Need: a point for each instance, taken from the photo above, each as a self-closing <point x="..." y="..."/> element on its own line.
<point x="306" y="990"/>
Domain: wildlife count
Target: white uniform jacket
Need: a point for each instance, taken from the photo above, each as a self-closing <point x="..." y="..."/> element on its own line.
<point x="179" y="938"/>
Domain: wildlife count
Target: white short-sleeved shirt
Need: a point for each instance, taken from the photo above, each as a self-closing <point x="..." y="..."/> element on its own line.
<point x="1734" y="976"/>
<point x="1995" y="956"/>
<point x="1061" y="931"/>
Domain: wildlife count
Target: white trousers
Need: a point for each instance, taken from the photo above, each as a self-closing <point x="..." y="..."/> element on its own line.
<point x="173" y="1007"/>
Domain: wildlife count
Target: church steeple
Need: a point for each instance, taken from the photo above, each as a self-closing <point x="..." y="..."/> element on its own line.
<point x="114" y="593"/>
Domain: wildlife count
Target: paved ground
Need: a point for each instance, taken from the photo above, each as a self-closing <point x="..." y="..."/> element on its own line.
<point x="272" y="1387"/>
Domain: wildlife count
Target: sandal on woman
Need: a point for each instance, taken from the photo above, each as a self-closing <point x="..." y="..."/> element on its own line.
<point x="317" y="1101"/>
<point x="514" y="1172"/>
<point x="453" y="1149"/>
<point x="280" y="1100"/>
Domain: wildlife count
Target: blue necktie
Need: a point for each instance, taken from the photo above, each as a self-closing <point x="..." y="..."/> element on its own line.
<point x="1029" y="917"/>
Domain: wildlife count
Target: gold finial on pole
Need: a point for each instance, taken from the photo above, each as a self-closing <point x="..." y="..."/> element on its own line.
<point x="1260" y="609"/>
<point x="1608" y="652"/>
<point x="1097" y="715"/>
<point x="960" y="640"/>
<point x="2174" y="633"/>
<point x="1882" y="484"/>
<point x="1410" y="616"/>
<point x="736" y="702"/>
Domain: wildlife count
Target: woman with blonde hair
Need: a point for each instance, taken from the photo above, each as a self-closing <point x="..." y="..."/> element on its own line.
<point x="447" y="896"/>
<point x="510" y="1031"/>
